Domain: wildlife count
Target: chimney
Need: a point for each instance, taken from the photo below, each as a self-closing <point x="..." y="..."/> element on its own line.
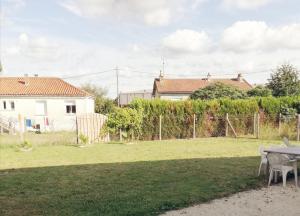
<point x="26" y="79"/>
<point x="240" y="77"/>
<point x="208" y="77"/>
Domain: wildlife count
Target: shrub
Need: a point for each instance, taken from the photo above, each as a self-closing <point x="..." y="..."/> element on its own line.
<point x="259" y="91"/>
<point x="218" y="90"/>
<point x="126" y="119"/>
<point x="83" y="139"/>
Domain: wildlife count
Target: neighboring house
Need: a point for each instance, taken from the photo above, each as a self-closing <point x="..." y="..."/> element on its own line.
<point x="181" y="89"/>
<point x="45" y="103"/>
<point x="126" y="97"/>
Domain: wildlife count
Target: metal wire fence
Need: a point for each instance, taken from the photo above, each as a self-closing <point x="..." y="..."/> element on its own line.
<point x="257" y="125"/>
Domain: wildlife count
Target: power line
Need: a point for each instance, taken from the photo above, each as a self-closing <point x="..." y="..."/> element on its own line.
<point x="153" y="74"/>
<point x="87" y="74"/>
<point x="201" y="74"/>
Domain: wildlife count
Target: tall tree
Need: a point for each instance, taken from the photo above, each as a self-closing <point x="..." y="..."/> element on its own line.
<point x="285" y="81"/>
<point x="103" y="104"/>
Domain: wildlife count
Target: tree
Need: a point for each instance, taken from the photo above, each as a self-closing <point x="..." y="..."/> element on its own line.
<point x="285" y="81"/>
<point x="128" y="120"/>
<point x="103" y="104"/>
<point x="259" y="91"/>
<point x="218" y="90"/>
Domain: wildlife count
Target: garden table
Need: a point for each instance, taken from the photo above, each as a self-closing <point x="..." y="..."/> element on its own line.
<point x="295" y="151"/>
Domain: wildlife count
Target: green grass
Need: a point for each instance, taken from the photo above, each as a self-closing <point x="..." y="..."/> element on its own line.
<point x="140" y="178"/>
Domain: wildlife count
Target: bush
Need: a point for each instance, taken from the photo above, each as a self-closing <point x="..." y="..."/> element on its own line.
<point x="83" y="139"/>
<point x="218" y="90"/>
<point x="259" y="91"/>
<point x="126" y="119"/>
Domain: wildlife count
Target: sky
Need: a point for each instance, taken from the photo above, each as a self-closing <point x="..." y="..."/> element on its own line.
<point x="84" y="41"/>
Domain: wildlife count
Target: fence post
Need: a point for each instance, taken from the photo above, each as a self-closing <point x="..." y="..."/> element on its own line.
<point x="226" y="125"/>
<point x="279" y="122"/>
<point x="298" y="128"/>
<point x="121" y="138"/>
<point x="77" y="132"/>
<point x="254" y="124"/>
<point x="257" y="125"/>
<point x="159" y="127"/>
<point x="194" y="128"/>
<point x="21" y="127"/>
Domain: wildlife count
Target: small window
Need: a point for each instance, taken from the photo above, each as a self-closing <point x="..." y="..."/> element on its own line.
<point x="70" y="107"/>
<point x="4" y="105"/>
<point x="12" y="105"/>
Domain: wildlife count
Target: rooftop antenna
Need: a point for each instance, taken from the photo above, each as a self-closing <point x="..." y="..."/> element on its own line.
<point x="162" y="72"/>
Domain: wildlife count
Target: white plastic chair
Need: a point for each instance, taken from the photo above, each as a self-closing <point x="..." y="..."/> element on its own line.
<point x="263" y="161"/>
<point x="276" y="173"/>
<point x="281" y="163"/>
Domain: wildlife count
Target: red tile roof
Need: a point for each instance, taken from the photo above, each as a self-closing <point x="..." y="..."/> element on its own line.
<point x="38" y="86"/>
<point x="188" y="86"/>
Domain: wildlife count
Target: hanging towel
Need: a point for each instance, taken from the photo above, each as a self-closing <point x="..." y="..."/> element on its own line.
<point x="28" y="123"/>
<point x="46" y="121"/>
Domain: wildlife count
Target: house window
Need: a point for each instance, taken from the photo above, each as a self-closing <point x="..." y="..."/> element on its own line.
<point x="4" y="105"/>
<point x="40" y="107"/>
<point x="70" y="107"/>
<point x="12" y="105"/>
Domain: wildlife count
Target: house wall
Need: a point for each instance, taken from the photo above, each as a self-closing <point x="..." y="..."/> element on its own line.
<point x="173" y="97"/>
<point x="56" y="114"/>
<point x="127" y="98"/>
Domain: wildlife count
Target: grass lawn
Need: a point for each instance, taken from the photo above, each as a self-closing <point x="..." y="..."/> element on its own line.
<point x="140" y="178"/>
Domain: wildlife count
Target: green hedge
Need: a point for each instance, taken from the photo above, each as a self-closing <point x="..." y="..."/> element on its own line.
<point x="272" y="106"/>
<point x="178" y="116"/>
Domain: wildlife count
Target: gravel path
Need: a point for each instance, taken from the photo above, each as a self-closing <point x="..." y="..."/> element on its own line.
<point x="275" y="200"/>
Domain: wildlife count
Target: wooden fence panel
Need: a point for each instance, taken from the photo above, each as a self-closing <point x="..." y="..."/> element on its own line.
<point x="91" y="125"/>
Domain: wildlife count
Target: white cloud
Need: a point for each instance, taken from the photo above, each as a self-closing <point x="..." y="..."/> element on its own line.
<point x="35" y="48"/>
<point x="253" y="35"/>
<point x="49" y="56"/>
<point x="245" y="4"/>
<point x="8" y="8"/>
<point x="186" y="40"/>
<point x="153" y="12"/>
<point x="196" y="3"/>
<point x="158" y="18"/>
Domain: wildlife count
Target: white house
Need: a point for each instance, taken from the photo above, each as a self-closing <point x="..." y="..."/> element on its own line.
<point x="45" y="103"/>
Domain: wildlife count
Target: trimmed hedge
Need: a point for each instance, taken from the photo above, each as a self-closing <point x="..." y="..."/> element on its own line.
<point x="178" y="116"/>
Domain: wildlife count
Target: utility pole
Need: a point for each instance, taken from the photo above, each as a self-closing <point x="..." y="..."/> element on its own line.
<point x="117" y="75"/>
